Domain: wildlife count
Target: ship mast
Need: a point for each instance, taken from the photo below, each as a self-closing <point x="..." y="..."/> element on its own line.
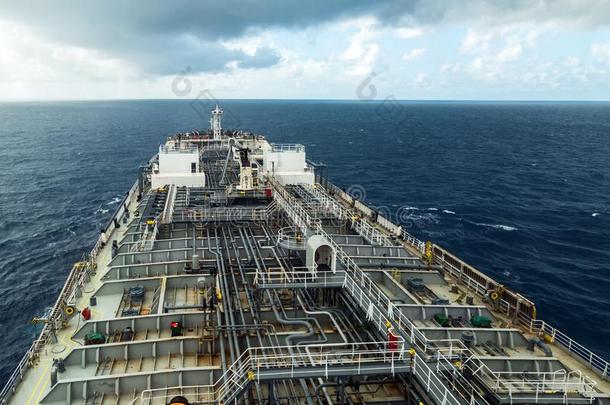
<point x="215" y="122"/>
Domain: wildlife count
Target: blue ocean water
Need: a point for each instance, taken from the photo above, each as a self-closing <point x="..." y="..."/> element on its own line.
<point x="520" y="190"/>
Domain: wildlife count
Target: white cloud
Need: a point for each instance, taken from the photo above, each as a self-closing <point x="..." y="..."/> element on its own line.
<point x="363" y="50"/>
<point x="250" y="43"/>
<point x="475" y="41"/>
<point x="408" y="32"/>
<point x="601" y="51"/>
<point x="571" y="61"/>
<point x="413" y="54"/>
<point x="510" y="53"/>
<point x="28" y="58"/>
<point x="449" y="67"/>
<point x="328" y="60"/>
<point x="420" y="79"/>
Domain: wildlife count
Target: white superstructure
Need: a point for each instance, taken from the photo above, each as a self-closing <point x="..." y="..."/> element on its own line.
<point x="286" y="162"/>
<point x="178" y="165"/>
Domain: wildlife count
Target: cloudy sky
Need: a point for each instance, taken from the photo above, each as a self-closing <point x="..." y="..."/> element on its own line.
<point x="342" y="49"/>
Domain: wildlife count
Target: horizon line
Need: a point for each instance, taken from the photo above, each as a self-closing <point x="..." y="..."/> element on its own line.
<point x="490" y="100"/>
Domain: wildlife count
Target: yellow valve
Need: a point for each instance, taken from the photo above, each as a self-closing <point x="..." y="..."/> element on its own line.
<point x="36" y="320"/>
<point x="428" y="252"/>
<point x="497" y="293"/>
<point x="388" y="324"/>
<point x="150" y="222"/>
<point x="251" y="375"/>
<point x="218" y="295"/>
<point x="412" y="352"/>
<point x="458" y="364"/>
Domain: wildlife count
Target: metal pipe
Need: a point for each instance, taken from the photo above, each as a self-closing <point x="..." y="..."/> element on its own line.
<point x="319" y="312"/>
<point x="236" y="289"/>
<point x="261" y="265"/>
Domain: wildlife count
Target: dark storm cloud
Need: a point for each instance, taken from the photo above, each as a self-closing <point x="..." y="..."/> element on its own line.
<point x="162" y="37"/>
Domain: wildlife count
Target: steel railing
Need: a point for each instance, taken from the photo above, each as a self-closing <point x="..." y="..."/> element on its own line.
<point x="281" y="362"/>
<point x="302" y="276"/>
<point x="554" y="335"/>
<point x="178" y="149"/>
<point x="287" y="147"/>
<point x="378" y="307"/>
<point x="381" y="220"/>
<point x="291" y="238"/>
<point x="118" y="214"/>
<point x="511" y="303"/>
<point x="76" y="280"/>
<point x="168" y="209"/>
<point x="225" y="214"/>
<point x="370" y="297"/>
<point x="360" y="225"/>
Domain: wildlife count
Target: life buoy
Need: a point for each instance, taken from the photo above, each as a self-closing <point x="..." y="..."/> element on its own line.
<point x="70" y="310"/>
<point x="494" y="296"/>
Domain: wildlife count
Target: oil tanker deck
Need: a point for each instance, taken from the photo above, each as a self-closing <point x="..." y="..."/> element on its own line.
<point x="234" y="272"/>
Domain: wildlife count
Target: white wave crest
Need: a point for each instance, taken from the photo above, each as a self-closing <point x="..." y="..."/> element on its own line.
<point x="449" y="212"/>
<point x="498" y="226"/>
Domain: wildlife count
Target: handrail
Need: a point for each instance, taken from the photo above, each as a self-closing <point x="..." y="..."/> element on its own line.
<point x="178" y="149"/>
<point x="511" y="303"/>
<point x="360" y="225"/>
<point x="168" y="209"/>
<point x="75" y="280"/>
<point x="290" y="238"/>
<point x="444" y="363"/>
<point x="381" y="220"/>
<point x="289" y="361"/>
<point x="523" y="309"/>
<point x="554" y="335"/>
<point x="287" y="147"/>
<point x="510" y="382"/>
<point x="368" y="295"/>
<point x="117" y="214"/>
<point x="288" y="279"/>
<point x="225" y="214"/>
